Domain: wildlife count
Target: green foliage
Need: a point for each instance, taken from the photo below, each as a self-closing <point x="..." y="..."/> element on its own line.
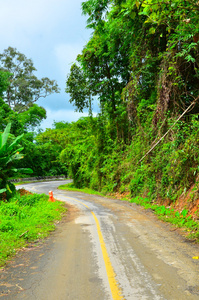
<point x="24" y="87"/>
<point x="141" y="62"/>
<point x="32" y="117"/>
<point x="24" y="219"/>
<point x="9" y="153"/>
<point x="71" y="187"/>
<point x="141" y="65"/>
<point x="78" y="154"/>
<point x="19" y="90"/>
<point x="4" y="81"/>
<point x="78" y="88"/>
<point x="48" y="147"/>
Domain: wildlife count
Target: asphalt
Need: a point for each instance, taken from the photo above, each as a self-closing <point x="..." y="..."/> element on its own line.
<point x="149" y="258"/>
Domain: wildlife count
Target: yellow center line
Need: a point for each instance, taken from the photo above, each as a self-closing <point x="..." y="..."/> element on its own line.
<point x="115" y="290"/>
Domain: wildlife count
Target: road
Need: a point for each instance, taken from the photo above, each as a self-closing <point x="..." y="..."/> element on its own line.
<point x="103" y="249"/>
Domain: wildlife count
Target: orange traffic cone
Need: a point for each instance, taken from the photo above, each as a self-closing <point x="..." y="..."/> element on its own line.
<point x="51" y="198"/>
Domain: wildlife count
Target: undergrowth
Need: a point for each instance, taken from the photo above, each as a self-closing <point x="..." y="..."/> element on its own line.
<point x="25" y="219"/>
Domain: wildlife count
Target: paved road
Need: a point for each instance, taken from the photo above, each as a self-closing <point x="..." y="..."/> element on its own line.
<point x="103" y="249"/>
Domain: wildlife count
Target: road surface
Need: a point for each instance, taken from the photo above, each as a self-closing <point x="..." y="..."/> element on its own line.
<point x="103" y="249"/>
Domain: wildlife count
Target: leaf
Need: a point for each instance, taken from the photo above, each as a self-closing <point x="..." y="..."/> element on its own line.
<point x="133" y="15"/>
<point x="5" y="135"/>
<point x="184" y="212"/>
<point x="8" y="188"/>
<point x="14" y="169"/>
<point x="190" y="58"/>
<point x="25" y="170"/>
<point x="16" y="141"/>
<point x="152" y="30"/>
<point x="137" y="4"/>
<point x="2" y="191"/>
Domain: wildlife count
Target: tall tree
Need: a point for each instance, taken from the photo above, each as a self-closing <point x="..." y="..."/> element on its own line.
<point x="77" y="85"/>
<point x="24" y="88"/>
<point x="4" y="81"/>
<point x="104" y="72"/>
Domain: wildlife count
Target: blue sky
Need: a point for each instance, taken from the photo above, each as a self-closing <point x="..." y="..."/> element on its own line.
<point x="51" y="33"/>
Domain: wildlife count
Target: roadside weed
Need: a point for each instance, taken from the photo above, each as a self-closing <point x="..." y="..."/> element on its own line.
<point x="25" y="219"/>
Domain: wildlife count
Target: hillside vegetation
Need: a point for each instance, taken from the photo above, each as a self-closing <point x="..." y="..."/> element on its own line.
<point x="141" y="65"/>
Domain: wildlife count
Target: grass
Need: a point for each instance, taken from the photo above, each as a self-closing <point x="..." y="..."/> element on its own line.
<point x="181" y="220"/>
<point x="71" y="187"/>
<point x="22" y="182"/>
<point x="24" y="219"/>
<point x="36" y="180"/>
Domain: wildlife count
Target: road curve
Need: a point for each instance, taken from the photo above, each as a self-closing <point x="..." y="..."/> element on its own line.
<point x="103" y="249"/>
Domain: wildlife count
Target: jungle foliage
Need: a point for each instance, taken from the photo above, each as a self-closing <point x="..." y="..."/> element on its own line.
<point x="9" y="153"/>
<point x="142" y="64"/>
<point x="19" y="90"/>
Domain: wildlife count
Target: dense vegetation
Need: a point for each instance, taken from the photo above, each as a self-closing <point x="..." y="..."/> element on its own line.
<point x="141" y="65"/>
<point x="9" y="153"/>
<point x="19" y="90"/>
<point x="23" y="217"/>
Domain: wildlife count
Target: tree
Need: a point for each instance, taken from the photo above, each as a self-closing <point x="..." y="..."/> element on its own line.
<point x="32" y="117"/>
<point x="4" y="81"/>
<point x="9" y="153"/>
<point x="61" y="125"/>
<point x="5" y="110"/>
<point x="101" y="73"/>
<point x="77" y="85"/>
<point x="24" y="88"/>
<point x="142" y="63"/>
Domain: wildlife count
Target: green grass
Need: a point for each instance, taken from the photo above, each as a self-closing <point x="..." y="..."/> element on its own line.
<point x="71" y="187"/>
<point x="22" y="182"/>
<point x="26" y="219"/>
<point x="36" y="180"/>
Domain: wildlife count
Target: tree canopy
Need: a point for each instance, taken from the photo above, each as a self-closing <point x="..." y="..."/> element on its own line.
<point x="142" y="64"/>
<point x="24" y="87"/>
<point x="142" y="54"/>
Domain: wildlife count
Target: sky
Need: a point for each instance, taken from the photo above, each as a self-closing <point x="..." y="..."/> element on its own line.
<point x="51" y="33"/>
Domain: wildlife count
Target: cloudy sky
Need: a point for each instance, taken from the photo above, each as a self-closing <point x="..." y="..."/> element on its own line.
<point x="51" y="33"/>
